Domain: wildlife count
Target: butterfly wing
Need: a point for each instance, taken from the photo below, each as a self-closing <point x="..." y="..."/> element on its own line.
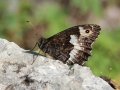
<point x="58" y="46"/>
<point x="72" y="45"/>
<point x="83" y="43"/>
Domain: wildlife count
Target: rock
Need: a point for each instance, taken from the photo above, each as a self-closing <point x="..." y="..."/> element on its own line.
<point x="22" y="70"/>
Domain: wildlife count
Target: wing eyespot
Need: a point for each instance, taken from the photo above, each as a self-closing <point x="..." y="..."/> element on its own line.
<point x="87" y="31"/>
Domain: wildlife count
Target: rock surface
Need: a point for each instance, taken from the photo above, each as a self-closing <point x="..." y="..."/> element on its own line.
<point x="19" y="72"/>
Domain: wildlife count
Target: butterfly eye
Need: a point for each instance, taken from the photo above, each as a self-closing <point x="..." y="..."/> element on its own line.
<point x="87" y="31"/>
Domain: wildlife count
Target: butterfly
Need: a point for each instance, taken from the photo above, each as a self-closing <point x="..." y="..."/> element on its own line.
<point x="72" y="45"/>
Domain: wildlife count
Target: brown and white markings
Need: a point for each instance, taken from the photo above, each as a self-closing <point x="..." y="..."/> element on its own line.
<point x="71" y="46"/>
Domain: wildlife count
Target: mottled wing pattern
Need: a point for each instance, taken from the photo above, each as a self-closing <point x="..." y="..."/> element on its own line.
<point x="58" y="46"/>
<point x="83" y="43"/>
<point x="72" y="45"/>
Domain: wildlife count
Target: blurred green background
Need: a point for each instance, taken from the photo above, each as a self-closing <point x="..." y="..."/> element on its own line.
<point x="24" y="21"/>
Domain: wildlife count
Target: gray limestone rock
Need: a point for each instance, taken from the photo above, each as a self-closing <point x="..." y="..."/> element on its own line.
<point x="22" y="70"/>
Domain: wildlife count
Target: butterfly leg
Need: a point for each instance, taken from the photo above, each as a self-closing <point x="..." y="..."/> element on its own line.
<point x="34" y="46"/>
<point x="71" y="66"/>
<point x="34" y="58"/>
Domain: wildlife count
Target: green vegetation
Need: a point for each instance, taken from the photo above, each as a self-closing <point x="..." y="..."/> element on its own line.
<point x="86" y="6"/>
<point x="105" y="59"/>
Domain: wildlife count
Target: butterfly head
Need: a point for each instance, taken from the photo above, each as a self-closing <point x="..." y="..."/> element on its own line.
<point x="42" y="41"/>
<point x="89" y="31"/>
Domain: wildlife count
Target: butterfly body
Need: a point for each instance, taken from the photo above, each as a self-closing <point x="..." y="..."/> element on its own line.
<point x="72" y="45"/>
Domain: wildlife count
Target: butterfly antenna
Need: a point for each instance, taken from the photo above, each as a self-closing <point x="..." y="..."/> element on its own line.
<point x="33" y="28"/>
<point x="34" y="46"/>
<point x="31" y="25"/>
